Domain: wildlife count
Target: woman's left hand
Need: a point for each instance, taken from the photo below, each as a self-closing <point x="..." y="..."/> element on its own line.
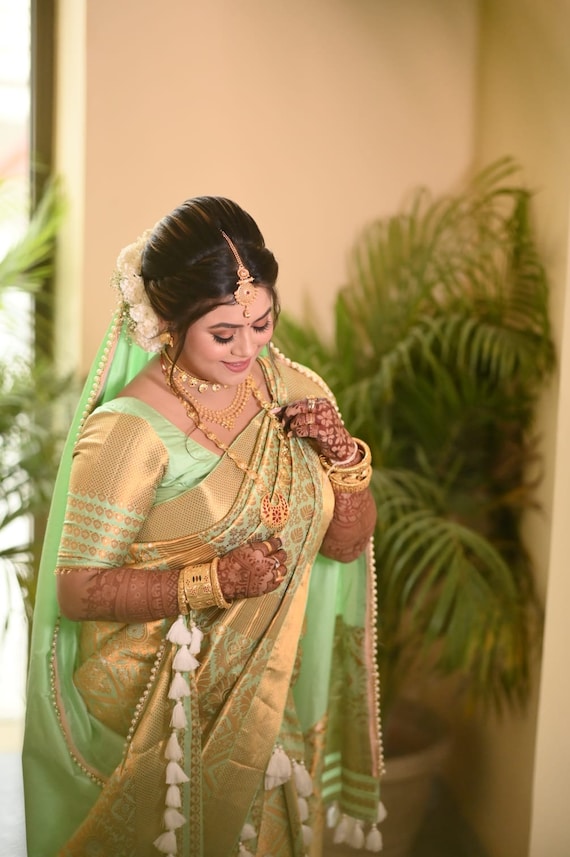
<point x="318" y="420"/>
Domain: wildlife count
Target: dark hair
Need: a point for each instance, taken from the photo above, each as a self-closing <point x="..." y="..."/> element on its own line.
<point x="188" y="267"/>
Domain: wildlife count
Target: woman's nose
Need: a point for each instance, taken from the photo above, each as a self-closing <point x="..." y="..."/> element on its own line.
<point x="244" y="343"/>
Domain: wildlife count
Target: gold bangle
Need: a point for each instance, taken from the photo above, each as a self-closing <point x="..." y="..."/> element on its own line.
<point x="183" y="606"/>
<point x="344" y="462"/>
<point x="197" y="586"/>
<point x="352" y="478"/>
<point x="350" y="483"/>
<point x="338" y="467"/>
<point x="216" y="588"/>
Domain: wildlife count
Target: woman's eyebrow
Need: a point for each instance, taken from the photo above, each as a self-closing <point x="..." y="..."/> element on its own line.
<point x="227" y="324"/>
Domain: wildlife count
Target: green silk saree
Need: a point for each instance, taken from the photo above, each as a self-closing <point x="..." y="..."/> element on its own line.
<point x="291" y="673"/>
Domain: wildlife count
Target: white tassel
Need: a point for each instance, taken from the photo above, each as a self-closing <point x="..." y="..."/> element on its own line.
<point x="173" y="751"/>
<point x="356" y="836"/>
<point x="178" y="719"/>
<point x="374" y="840"/>
<point x="179" y="687"/>
<point x="184" y="661"/>
<point x="333" y="815"/>
<point x="303" y="780"/>
<point x="248" y="831"/>
<point x="179" y="633"/>
<point x="343" y="830"/>
<point x="382" y="813"/>
<point x="166" y="843"/>
<point x="175" y="775"/>
<point x="197" y="637"/>
<point x="173" y="797"/>
<point x="244" y="852"/>
<point x="173" y="819"/>
<point x="278" y="770"/>
<point x="303" y="808"/>
<point x="307" y="835"/>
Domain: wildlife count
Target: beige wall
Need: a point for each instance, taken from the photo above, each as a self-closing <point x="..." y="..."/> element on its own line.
<point x="315" y="116"/>
<point x="523" y="109"/>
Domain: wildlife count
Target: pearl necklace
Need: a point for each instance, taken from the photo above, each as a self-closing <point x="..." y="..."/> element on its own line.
<point x="274" y="508"/>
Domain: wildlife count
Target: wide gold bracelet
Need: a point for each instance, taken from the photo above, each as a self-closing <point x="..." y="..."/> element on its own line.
<point x="199" y="588"/>
<point x="195" y="590"/>
<point x="350" y="483"/>
<point x="183" y="606"/>
<point x="216" y="588"/>
<point x="352" y="478"/>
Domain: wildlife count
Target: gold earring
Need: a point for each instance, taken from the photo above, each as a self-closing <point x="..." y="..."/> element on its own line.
<point x="166" y="338"/>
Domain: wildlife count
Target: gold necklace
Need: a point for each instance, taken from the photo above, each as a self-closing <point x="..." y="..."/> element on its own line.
<point x="274" y="508"/>
<point x="225" y="417"/>
<point x="186" y="379"/>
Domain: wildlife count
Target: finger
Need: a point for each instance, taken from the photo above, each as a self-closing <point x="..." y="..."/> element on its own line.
<point x="303" y="425"/>
<point x="270" y="545"/>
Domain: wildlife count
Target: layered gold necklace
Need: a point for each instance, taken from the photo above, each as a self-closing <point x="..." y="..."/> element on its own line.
<point x="274" y="508"/>
<point x="225" y="417"/>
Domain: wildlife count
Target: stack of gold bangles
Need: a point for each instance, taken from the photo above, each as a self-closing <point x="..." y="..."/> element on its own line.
<point x="348" y="478"/>
<point x="199" y="587"/>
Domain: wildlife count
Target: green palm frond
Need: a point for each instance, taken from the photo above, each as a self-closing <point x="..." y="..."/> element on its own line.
<point x="442" y="344"/>
<point x="31" y="393"/>
<point x="29" y="261"/>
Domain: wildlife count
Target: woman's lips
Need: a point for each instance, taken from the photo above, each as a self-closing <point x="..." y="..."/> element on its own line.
<point x="238" y="367"/>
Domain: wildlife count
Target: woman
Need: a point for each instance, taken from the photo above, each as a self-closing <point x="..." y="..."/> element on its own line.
<point x="210" y="538"/>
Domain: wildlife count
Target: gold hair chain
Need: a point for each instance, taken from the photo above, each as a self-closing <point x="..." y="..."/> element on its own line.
<point x="246" y="293"/>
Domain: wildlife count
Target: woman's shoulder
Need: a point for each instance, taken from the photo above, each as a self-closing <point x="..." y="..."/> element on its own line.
<point x="128" y="420"/>
<point x="301" y="381"/>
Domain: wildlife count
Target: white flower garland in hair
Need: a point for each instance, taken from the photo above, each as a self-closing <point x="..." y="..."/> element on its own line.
<point x="144" y="325"/>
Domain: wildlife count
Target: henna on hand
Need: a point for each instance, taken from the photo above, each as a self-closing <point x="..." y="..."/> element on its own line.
<point x="318" y="420"/>
<point x="351" y="527"/>
<point x="252" y="569"/>
<point x="118" y="594"/>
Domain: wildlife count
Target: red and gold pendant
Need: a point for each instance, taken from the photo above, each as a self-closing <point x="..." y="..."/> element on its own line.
<point x="274" y="511"/>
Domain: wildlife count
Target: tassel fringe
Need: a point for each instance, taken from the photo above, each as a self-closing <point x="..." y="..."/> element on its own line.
<point x="351" y="830"/>
<point x="188" y="641"/>
<point x="278" y="770"/>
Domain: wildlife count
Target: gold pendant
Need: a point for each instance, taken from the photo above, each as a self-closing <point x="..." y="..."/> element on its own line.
<point x="274" y="512"/>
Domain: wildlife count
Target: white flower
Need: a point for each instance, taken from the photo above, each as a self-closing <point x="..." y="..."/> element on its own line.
<point x="144" y="325"/>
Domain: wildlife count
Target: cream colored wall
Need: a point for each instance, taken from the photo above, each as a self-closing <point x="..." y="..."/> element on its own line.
<point x="524" y="95"/>
<point x="315" y="116"/>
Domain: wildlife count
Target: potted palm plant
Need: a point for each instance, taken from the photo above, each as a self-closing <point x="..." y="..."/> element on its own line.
<point x="441" y="347"/>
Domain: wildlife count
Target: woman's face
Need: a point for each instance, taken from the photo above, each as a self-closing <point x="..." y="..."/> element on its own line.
<point x="222" y="346"/>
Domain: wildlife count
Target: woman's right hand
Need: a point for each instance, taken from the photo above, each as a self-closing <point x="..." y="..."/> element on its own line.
<point x="252" y="569"/>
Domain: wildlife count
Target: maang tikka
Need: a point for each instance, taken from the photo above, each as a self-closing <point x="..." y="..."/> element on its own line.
<point x="246" y="293"/>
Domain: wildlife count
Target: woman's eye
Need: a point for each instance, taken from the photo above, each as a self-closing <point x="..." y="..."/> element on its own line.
<point x="264" y="327"/>
<point x="222" y="339"/>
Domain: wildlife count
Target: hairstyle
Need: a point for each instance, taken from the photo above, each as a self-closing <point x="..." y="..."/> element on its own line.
<point x="188" y="267"/>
